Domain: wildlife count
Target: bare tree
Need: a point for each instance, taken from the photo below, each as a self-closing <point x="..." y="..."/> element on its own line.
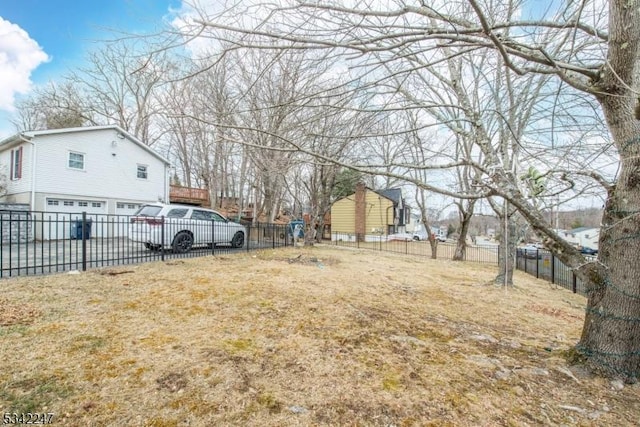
<point x="53" y="106"/>
<point x="119" y="86"/>
<point x="589" y="51"/>
<point x="328" y="131"/>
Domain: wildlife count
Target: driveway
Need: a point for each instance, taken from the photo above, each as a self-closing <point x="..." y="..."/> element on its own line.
<point x="44" y="257"/>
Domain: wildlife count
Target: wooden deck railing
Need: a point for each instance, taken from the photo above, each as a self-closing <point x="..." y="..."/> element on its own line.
<point x="179" y="194"/>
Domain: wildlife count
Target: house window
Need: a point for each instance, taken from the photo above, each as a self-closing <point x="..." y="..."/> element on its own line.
<point x="16" y="164"/>
<point x="83" y="204"/>
<point x="52" y="202"/>
<point x="131" y="206"/>
<point x="120" y="205"/>
<point x="142" y="172"/>
<point x="68" y="203"/>
<point x="76" y="161"/>
<point x="96" y="204"/>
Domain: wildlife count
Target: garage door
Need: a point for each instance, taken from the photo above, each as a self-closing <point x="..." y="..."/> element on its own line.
<point x="62" y="213"/>
<point x="126" y="208"/>
<point x="76" y="206"/>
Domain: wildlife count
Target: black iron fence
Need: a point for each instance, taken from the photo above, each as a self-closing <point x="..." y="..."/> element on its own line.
<point x="543" y="264"/>
<point x="445" y="250"/>
<point x="36" y="243"/>
<point x="44" y="242"/>
<point x="537" y="262"/>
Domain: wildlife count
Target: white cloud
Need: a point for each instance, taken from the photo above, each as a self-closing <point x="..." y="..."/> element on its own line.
<point x="19" y="56"/>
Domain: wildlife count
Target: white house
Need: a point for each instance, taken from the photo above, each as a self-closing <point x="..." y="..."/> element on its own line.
<point x="587" y="237"/>
<point x="98" y="170"/>
<point x="414" y="224"/>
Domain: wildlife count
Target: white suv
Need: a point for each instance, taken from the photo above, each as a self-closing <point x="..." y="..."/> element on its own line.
<point x="183" y="227"/>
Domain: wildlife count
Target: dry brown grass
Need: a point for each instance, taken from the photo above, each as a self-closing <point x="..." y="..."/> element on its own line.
<point x="303" y="336"/>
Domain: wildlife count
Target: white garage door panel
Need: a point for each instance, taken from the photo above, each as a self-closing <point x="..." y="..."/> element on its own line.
<point x="125" y="208"/>
<point x="76" y="206"/>
<point x="62" y="213"/>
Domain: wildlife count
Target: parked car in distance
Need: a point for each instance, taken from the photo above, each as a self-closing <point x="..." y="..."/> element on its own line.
<point x="588" y="251"/>
<point x="530" y="251"/>
<point x="183" y="227"/>
<point x="422" y="235"/>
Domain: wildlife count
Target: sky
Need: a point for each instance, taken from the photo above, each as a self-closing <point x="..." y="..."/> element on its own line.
<point x="42" y="39"/>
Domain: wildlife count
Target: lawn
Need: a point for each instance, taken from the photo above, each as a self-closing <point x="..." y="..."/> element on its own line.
<point x="299" y="336"/>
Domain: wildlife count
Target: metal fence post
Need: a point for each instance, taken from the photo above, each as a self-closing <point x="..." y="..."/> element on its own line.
<point x="553" y="269"/>
<point x="2" y="248"/>
<point x="213" y="237"/>
<point x="248" y="236"/>
<point x="162" y="231"/>
<point x="537" y="263"/>
<point x="574" y="286"/>
<point x="84" y="240"/>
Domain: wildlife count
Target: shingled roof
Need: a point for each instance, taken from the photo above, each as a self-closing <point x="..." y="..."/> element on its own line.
<point x="393" y="194"/>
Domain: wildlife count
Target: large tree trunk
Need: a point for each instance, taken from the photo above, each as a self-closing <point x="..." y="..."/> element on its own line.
<point x="506" y="252"/>
<point x="611" y="335"/>
<point x="433" y="242"/>
<point x="465" y="222"/>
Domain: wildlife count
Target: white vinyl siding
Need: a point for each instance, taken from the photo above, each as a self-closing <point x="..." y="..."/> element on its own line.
<point x="106" y="176"/>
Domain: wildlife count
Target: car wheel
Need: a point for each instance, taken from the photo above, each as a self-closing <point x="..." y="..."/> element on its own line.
<point x="416" y="238"/>
<point x="182" y="242"/>
<point x="238" y="240"/>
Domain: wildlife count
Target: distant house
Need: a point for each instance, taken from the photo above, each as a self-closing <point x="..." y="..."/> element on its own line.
<point x="98" y="170"/>
<point x="414" y="224"/>
<point x="368" y="214"/>
<point x="586" y="237"/>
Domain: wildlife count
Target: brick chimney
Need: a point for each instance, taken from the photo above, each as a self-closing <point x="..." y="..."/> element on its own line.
<point x="360" y="214"/>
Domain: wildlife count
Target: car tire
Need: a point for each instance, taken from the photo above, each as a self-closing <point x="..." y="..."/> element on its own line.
<point x="182" y="243"/>
<point x="238" y="240"/>
<point x="416" y="238"/>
